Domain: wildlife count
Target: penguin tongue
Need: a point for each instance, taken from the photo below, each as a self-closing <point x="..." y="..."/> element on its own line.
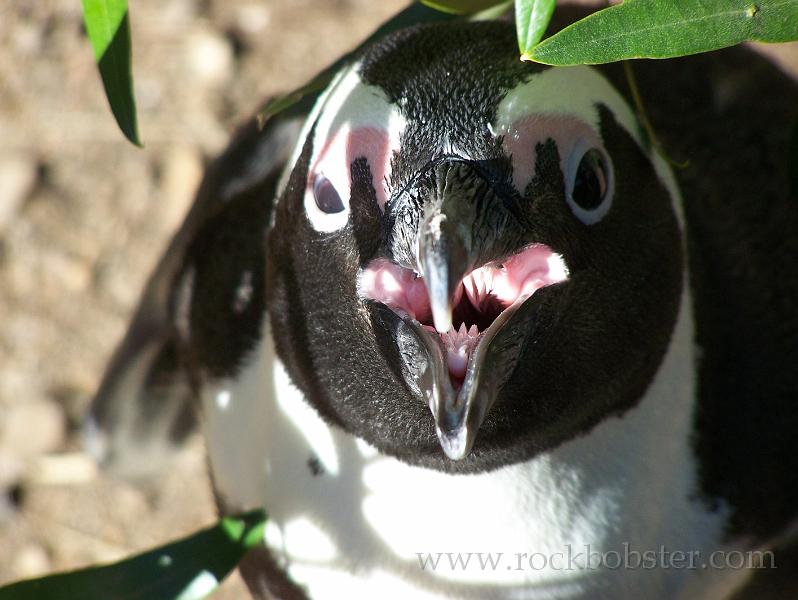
<point x="458" y="345"/>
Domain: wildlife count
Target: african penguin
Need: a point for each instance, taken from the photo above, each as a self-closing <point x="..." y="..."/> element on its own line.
<point x="477" y="339"/>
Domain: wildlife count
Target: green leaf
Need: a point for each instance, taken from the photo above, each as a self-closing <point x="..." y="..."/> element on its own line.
<point x="108" y="28"/>
<point x="278" y="104"/>
<point x="531" y="20"/>
<point x="497" y="11"/>
<point x="415" y="13"/>
<point x="665" y="29"/>
<point x="188" y="569"/>
<point x="461" y="7"/>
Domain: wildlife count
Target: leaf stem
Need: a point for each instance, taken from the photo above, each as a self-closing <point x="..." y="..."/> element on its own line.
<point x="642" y="115"/>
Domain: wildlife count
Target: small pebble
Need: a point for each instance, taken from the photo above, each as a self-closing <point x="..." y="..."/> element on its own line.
<point x="31" y="560"/>
<point x="253" y="18"/>
<point x="63" y="469"/>
<point x="17" y="174"/>
<point x="182" y="171"/>
<point x="209" y="57"/>
<point x="30" y="428"/>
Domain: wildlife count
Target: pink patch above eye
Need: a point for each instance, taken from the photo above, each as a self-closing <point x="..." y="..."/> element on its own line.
<point x="344" y="147"/>
<point x="522" y="137"/>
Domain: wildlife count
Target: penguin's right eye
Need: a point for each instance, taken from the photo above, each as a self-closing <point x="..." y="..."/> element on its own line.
<point x="327" y="198"/>
<point x="589" y="183"/>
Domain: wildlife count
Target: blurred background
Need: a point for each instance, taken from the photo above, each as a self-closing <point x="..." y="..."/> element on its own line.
<point x="84" y="216"/>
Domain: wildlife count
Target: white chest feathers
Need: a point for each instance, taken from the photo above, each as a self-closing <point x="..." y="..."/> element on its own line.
<point x="602" y="516"/>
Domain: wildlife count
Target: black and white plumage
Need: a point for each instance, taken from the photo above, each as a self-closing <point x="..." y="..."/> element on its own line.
<point x="631" y="376"/>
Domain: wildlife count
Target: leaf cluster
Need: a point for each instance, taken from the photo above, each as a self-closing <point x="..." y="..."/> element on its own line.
<point x="632" y="29"/>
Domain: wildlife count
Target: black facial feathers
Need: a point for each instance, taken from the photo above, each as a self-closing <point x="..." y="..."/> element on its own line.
<point x="448" y="97"/>
<point x="448" y="81"/>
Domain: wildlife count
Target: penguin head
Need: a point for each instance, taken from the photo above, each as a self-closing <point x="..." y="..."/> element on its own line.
<point x="472" y="259"/>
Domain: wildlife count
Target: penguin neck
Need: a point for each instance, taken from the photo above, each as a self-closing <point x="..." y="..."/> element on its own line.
<point x="640" y="465"/>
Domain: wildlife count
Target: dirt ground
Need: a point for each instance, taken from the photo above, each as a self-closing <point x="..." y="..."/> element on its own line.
<point x="84" y="216"/>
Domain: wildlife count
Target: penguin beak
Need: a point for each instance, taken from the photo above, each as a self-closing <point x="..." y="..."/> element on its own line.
<point x="444" y="322"/>
<point x="445" y="243"/>
<point x="445" y="254"/>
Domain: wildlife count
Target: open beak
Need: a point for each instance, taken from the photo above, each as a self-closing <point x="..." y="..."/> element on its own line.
<point x="451" y="312"/>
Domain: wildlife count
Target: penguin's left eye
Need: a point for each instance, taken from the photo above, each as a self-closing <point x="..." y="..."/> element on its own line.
<point x="326" y="196"/>
<point x="590" y="191"/>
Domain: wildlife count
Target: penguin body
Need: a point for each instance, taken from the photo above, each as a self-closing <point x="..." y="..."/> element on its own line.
<point x="311" y="475"/>
<point x="478" y="323"/>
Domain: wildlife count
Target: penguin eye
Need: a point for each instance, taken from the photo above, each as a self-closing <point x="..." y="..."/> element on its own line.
<point x="589" y="196"/>
<point x="590" y="185"/>
<point x="326" y="196"/>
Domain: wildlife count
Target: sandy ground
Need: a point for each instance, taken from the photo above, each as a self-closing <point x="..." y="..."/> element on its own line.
<point x="84" y="215"/>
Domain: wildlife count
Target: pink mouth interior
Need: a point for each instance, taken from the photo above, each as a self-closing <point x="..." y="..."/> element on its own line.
<point x="480" y="298"/>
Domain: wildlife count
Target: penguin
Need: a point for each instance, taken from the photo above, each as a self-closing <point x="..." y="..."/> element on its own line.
<point x="464" y="332"/>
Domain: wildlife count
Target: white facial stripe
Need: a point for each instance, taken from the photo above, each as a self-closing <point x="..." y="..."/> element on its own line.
<point x="573" y="92"/>
<point x="568" y="91"/>
<point x="353" y="119"/>
<point x="305" y="131"/>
